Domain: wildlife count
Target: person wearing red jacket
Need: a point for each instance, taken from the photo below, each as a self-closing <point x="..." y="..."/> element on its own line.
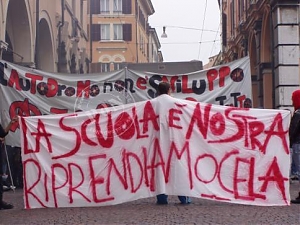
<point x="294" y="135"/>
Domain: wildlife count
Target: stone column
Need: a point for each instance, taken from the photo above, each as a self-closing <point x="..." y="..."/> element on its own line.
<point x="257" y="32"/>
<point x="265" y="69"/>
<point x="285" y="47"/>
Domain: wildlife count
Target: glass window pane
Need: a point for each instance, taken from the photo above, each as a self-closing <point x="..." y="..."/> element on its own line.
<point x="118" y="32"/>
<point x="105" y="67"/>
<point x="105" y="32"/>
<point x="117" y="66"/>
<point x="104" y="6"/>
<point x="117" y="5"/>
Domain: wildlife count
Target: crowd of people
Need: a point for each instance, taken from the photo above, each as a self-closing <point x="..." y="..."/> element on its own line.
<point x="11" y="174"/>
<point x="5" y="167"/>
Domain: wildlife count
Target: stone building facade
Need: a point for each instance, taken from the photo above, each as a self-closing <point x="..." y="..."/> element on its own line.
<point x="120" y="34"/>
<point x="267" y="31"/>
<point x="47" y="35"/>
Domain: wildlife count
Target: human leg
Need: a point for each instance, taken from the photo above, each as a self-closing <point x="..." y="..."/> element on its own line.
<point x="293" y="171"/>
<point x="19" y="169"/>
<point x="3" y="204"/>
<point x="162" y="199"/>
<point x="184" y="199"/>
<point x="296" y="159"/>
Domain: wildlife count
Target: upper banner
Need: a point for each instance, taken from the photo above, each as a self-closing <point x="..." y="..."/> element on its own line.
<point x="28" y="92"/>
<point x="228" y="84"/>
<point x="164" y="145"/>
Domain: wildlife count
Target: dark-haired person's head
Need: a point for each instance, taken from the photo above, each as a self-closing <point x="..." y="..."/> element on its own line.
<point x="163" y="88"/>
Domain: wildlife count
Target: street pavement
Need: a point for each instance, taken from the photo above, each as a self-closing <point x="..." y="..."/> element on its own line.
<point x="145" y="211"/>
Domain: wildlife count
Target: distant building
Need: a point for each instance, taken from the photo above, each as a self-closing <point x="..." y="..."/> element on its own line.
<point x="48" y="35"/>
<point x="155" y="55"/>
<point x="54" y="35"/>
<point x="267" y="31"/>
<point x="120" y="33"/>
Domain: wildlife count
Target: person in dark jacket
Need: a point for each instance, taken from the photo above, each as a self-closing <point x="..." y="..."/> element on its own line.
<point x="162" y="199"/>
<point x="3" y="133"/>
<point x="294" y="135"/>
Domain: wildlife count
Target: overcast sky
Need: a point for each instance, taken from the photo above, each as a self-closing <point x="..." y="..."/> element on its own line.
<point x="189" y="42"/>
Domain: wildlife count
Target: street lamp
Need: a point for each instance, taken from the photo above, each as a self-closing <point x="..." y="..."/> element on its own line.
<point x="164" y="35"/>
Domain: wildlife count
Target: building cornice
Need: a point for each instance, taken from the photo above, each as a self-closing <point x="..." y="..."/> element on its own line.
<point x="156" y="39"/>
<point x="148" y="7"/>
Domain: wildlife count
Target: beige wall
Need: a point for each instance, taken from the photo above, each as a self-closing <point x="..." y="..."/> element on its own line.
<point x="19" y="19"/>
<point x="118" y="51"/>
<point x="103" y="50"/>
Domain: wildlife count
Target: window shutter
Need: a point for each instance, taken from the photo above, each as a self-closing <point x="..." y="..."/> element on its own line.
<point x="96" y="32"/>
<point x="127" y="32"/>
<point x="136" y="9"/>
<point x="95" y="6"/>
<point x="96" y="67"/>
<point x="126" y="7"/>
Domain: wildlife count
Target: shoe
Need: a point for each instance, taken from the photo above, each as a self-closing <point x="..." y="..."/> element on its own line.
<point x="162" y="199"/>
<point x="162" y="203"/>
<point x="294" y="177"/>
<point x="5" y="205"/>
<point x="297" y="200"/>
<point x="184" y="200"/>
<point x="6" y="188"/>
<point x="185" y="203"/>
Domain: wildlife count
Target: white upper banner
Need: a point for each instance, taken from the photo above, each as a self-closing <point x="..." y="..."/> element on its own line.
<point x="164" y="145"/>
<point x="228" y="84"/>
<point x="28" y="92"/>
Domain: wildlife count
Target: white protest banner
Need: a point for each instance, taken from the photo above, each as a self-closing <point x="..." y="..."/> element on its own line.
<point x="164" y="145"/>
<point x="228" y="84"/>
<point x="29" y="92"/>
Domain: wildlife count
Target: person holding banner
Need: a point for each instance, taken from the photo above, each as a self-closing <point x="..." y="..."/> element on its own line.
<point x="162" y="199"/>
<point x="3" y="133"/>
<point x="294" y="135"/>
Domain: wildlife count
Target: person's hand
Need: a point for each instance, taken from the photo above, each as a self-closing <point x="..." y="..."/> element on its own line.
<point x="15" y="119"/>
<point x="1" y="140"/>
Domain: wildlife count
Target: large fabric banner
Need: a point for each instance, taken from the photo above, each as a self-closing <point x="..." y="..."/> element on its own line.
<point x="28" y="92"/>
<point x="228" y="84"/>
<point x="164" y="145"/>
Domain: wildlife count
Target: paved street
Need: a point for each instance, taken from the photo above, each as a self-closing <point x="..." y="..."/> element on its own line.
<point x="145" y="211"/>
